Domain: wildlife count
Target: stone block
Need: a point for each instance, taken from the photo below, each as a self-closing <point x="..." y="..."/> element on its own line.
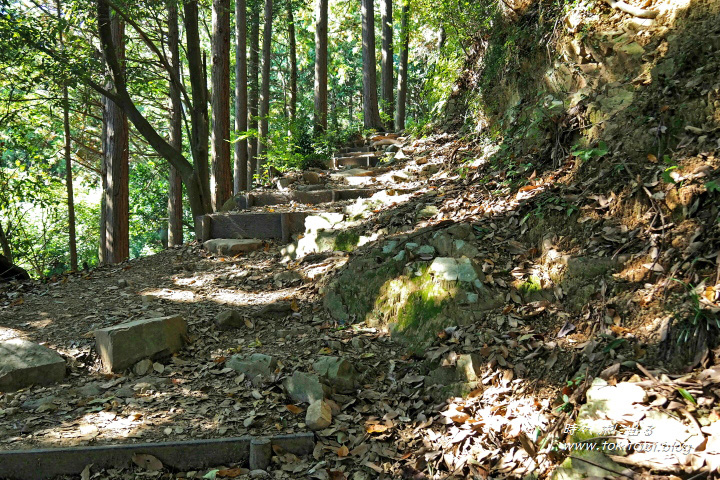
<point x="229" y="246"/>
<point x="304" y="387"/>
<point x="339" y="372"/>
<point x="24" y="363"/>
<point x="124" y="345"/>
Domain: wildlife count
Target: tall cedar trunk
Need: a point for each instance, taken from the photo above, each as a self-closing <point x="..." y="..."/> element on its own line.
<point x="221" y="173"/>
<point x="254" y="94"/>
<point x="321" y="65"/>
<point x="265" y="86"/>
<point x="72" y="241"/>
<point x="387" y="59"/>
<point x="115" y="157"/>
<point x="199" y="112"/>
<point x="371" y="114"/>
<point x="241" y="97"/>
<point x="293" y="61"/>
<point x="403" y="67"/>
<point x="197" y="192"/>
<point x="175" y="210"/>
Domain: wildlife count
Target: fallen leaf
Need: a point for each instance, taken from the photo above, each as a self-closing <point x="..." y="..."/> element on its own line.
<point x="148" y="462"/>
<point x="376" y="428"/>
<point x="343" y="451"/>
<point x="294" y="409"/>
<point x="233" y="472"/>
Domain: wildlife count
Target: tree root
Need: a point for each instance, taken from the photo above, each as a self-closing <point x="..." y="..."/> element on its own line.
<point x="634" y="11"/>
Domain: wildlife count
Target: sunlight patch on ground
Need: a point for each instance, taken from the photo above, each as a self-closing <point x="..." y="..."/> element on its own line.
<point x="8" y="333"/>
<point x="172" y="295"/>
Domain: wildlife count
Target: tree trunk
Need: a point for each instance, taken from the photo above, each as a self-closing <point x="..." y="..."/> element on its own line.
<point x="265" y="86"/>
<point x="241" y="97"/>
<point x="221" y="173"/>
<point x="254" y="94"/>
<point x="388" y="101"/>
<point x="371" y="114"/>
<point x="196" y="187"/>
<point x="293" y="61"/>
<point x="403" y="67"/>
<point x="199" y="112"/>
<point x="175" y="208"/>
<point x="72" y="241"/>
<point x="115" y="157"/>
<point x="321" y="65"/>
<point x="5" y="244"/>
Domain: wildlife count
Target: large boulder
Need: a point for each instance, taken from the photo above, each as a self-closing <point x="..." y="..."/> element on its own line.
<point x="24" y="363"/>
<point x="124" y="345"/>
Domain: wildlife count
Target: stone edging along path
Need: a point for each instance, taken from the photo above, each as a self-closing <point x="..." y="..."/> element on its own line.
<point x="40" y="464"/>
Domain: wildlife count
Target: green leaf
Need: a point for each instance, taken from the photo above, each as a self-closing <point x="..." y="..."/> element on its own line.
<point x="686" y="395"/>
<point x="212" y="474"/>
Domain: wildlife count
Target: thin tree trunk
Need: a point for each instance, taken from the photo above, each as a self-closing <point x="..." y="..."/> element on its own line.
<point x="388" y="101"/>
<point x="293" y="61"/>
<point x="254" y="94"/>
<point x="5" y="245"/>
<point x="72" y="241"/>
<point x="175" y="208"/>
<point x="265" y="86"/>
<point x="199" y="112"/>
<point x="321" y="65"/>
<point x="403" y="67"/>
<point x="371" y="113"/>
<point x="221" y="173"/>
<point x="115" y="157"/>
<point x="241" y="97"/>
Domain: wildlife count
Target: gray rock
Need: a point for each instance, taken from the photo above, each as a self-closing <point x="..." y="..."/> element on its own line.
<point x="304" y="387"/>
<point x="463" y="231"/>
<point x="357" y="343"/>
<point x="467" y="368"/>
<point x="452" y="269"/>
<point x="312" y="178"/>
<point x="232" y="246"/>
<point x="443" y="243"/>
<point x="440" y="376"/>
<point x="428" y="211"/>
<point x="318" y="415"/>
<point x="389" y="247"/>
<point x="124" y="345"/>
<point x="229" y="319"/>
<point x="126" y="391"/>
<point x="339" y="372"/>
<point x="461" y="248"/>
<point x="284" y="183"/>
<point x="142" y="367"/>
<point x="24" y="363"/>
<point x="257" y="473"/>
<point x="425" y="251"/>
<point x="257" y="367"/>
<point x="43" y="402"/>
<point x="90" y="390"/>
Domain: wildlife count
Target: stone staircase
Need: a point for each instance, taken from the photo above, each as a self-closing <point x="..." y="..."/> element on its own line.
<point x="305" y="205"/>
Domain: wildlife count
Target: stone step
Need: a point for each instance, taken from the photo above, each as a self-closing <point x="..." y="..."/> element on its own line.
<point x="357" y="161"/>
<point x="245" y="201"/>
<point x="262" y="225"/>
<point x="358" y="154"/>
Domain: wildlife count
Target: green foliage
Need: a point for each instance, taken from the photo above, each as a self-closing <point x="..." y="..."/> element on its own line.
<point x="699" y="318"/>
<point x="589" y="153"/>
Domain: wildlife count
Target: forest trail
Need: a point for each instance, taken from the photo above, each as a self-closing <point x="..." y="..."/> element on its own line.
<point x="394" y="411"/>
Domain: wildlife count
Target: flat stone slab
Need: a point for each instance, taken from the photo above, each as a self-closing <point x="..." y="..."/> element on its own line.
<point x="232" y="246"/>
<point x="124" y="345"/>
<point x="245" y="201"/>
<point x="264" y="225"/>
<point x="39" y="464"/>
<point x="24" y="363"/>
